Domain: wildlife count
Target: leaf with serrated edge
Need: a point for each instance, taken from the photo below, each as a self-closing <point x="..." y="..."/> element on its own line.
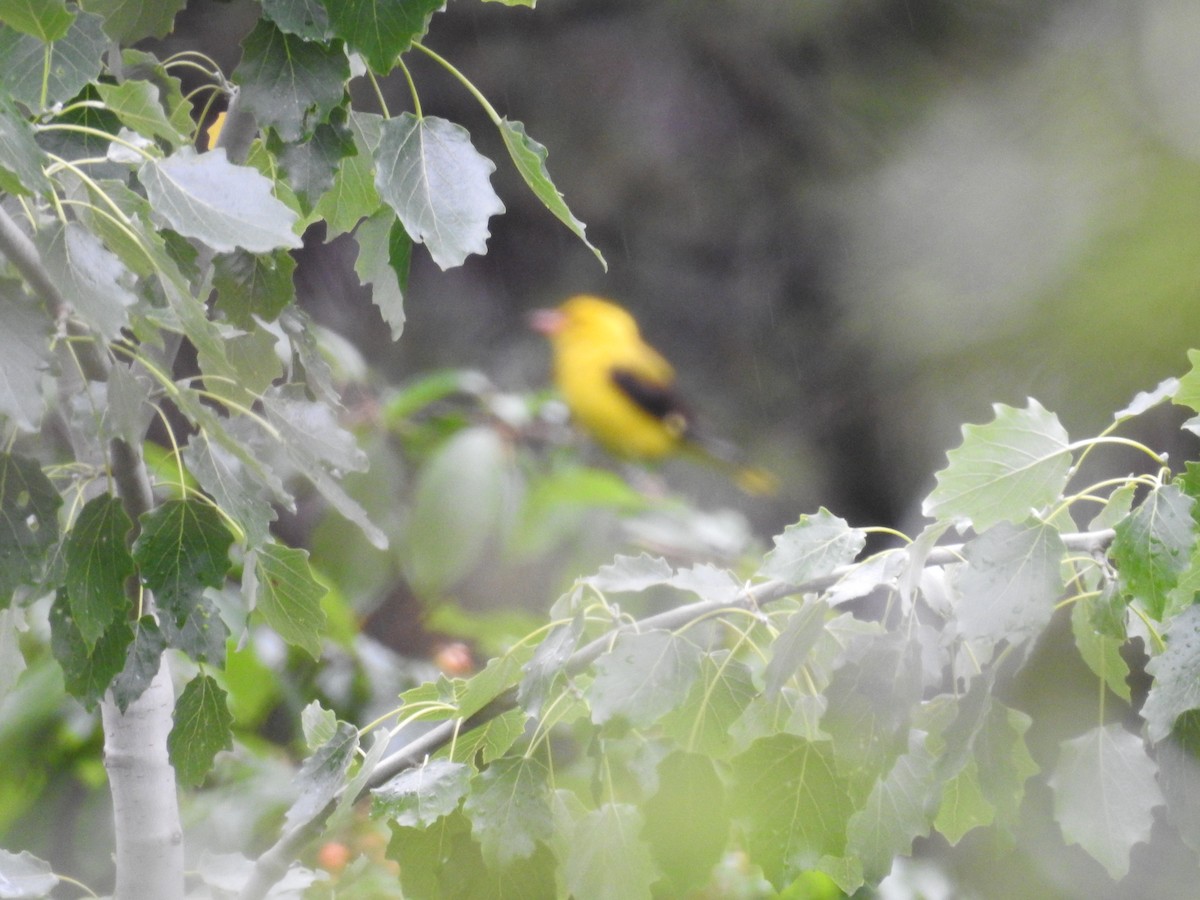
<point x="183" y="548"/>
<point x="422" y="795"/>
<point x="643" y="677"/>
<point x="1176" y="689"/>
<point x="26" y="875"/>
<point x="137" y="105"/>
<point x="631" y="573"/>
<point x="23" y="359"/>
<point x="1003" y="470"/>
<point x="1152" y="548"/>
<point x="323" y="775"/>
<point x="509" y="809"/>
<point x="28" y="521"/>
<point x="98" y="563"/>
<point x="813" y="547"/>
<point x="87" y="672"/>
<point x="142" y="662"/>
<point x="1105" y="794"/>
<point x="202" y="728"/>
<point x="289" y="596"/>
<point x="127" y="22"/>
<point x="381" y="29"/>
<point x="376" y="238"/>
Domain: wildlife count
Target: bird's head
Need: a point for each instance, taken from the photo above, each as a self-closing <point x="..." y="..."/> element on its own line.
<point x="601" y="320"/>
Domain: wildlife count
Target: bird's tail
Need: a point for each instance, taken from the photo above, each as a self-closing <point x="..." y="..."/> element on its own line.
<point x="753" y="480"/>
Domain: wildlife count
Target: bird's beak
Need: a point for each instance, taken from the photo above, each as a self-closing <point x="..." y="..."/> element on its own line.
<point x="546" y="321"/>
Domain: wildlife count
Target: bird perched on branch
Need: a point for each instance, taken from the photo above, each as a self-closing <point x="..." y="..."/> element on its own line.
<point x="622" y="391"/>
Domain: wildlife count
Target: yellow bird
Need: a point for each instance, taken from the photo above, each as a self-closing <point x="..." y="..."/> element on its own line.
<point x="622" y="392"/>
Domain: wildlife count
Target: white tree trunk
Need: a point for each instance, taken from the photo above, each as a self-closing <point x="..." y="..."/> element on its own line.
<point x="149" y="835"/>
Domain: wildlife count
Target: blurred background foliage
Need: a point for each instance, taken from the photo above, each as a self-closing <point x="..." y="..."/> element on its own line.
<point x="852" y="224"/>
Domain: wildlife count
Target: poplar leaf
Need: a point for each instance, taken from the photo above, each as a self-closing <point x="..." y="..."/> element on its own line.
<point x="322" y="775"/>
<point x="46" y="20"/>
<point x="62" y="69"/>
<point x="137" y="105"/>
<point x="97" y="565"/>
<point x="23" y="358"/>
<point x="183" y="548"/>
<point x="384" y="252"/>
<point x="600" y="837"/>
<point x="28" y="522"/>
<point x="509" y="809"/>
<point x="643" y="677"/>
<point x="88" y="276"/>
<point x="127" y="22"/>
<point x="381" y="29"/>
<point x="24" y="875"/>
<point x="813" y="547"/>
<point x="20" y="156"/>
<point x="1153" y="546"/>
<point x="202" y="729"/>
<point x="1176" y="689"/>
<point x="422" y="795"/>
<point x="289" y="596"/>
<point x="87" y="671"/>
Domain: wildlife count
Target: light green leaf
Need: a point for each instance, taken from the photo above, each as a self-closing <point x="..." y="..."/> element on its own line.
<point x="1187" y="392"/>
<point x="127" y="22"/>
<point x="1004" y="762"/>
<point x="323" y="775"/>
<point x="20" y="156"/>
<point x="422" y="795"/>
<point x="530" y="159"/>
<point x="24" y="875"/>
<point x="182" y="549"/>
<point x="813" y="547"/>
<point x="1153" y="547"/>
<point x="687" y="821"/>
<point x="23" y="358"/>
<point x="1011" y="581"/>
<point x="1101" y="652"/>
<point x="28" y="522"/>
<point x="88" y="276"/>
<point x="546" y="664"/>
<point x="790" y="649"/>
<point x="74" y="59"/>
<point x="1003" y="470"/>
<point x="643" y="677"/>
<point x="509" y="808"/>
<point x="381" y="29"/>
<point x="202" y="729"/>
<point x="98" y="563"/>
<point x="228" y="207"/>
<point x="1176" y="689"/>
<point x="1105" y="793"/>
<point x="318" y="723"/>
<point x="290" y="84"/>
<point x="137" y="105"/>
<point x="598" y="839"/>
<point x="46" y="20"/>
<point x="963" y="806"/>
<point x="353" y="196"/>
<point x="632" y="574"/>
<point x="489" y="741"/>
<point x="703" y="722"/>
<point x="427" y="170"/>
<point x="289" y="596"/>
<point x="384" y="251"/>
<point x="234" y="487"/>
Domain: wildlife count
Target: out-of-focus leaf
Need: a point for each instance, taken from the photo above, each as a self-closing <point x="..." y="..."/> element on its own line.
<point x="1153" y="547"/>
<point x="1187" y="392"/>
<point x="643" y="677"/>
<point x="547" y="664"/>
<point x="289" y="596"/>
<point x="439" y="185"/>
<point x="687" y="821"/>
<point x="1179" y="778"/>
<point x="28" y="521"/>
<point x="126" y="22"/>
<point x="422" y="795"/>
<point x="598" y="838"/>
<point x="1101" y="652"/>
<point x="384" y="252"/>
<point x="1003" y="470"/>
<point x="813" y="547"/>
<point x="631" y="573"/>
<point x="98" y="563"/>
<point x="963" y="806"/>
<point x="204" y="196"/>
<point x="703" y="721"/>
<point x="1176" y="689"/>
<point x="1105" y="793"/>
<point x="202" y="728"/>
<point x="20" y="156"/>
<point x="289" y="83"/>
<point x="88" y="276"/>
<point x="323" y="775"/>
<point x="73" y="60"/>
<point x="509" y="808"/>
<point x="23" y="357"/>
<point x="23" y="875"/>
<point x="381" y="29"/>
<point x="789" y="650"/>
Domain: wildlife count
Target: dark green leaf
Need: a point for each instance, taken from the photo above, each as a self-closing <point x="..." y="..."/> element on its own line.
<point x="703" y="723"/>
<point x="509" y="808"/>
<point x="791" y="801"/>
<point x="353" y="196"/>
<point x="382" y="245"/>
<point x="310" y="164"/>
<point x="86" y="671"/>
<point x="1176" y="687"/>
<point x="20" y="157"/>
<point x="422" y="795"/>
<point x="1011" y="582"/>
<point x="1105" y="793"/>
<point x="427" y="170"/>
<point x="813" y="547"/>
<point x="687" y="821"/>
<point x="88" y="276"/>
<point x="46" y="20"/>
<point x="381" y="29"/>
<point x="250" y="285"/>
<point x="142" y="662"/>
<point x="228" y="207"/>
<point x="127" y="22"/>
<point x="303" y="18"/>
<point x="1101" y="652"/>
<point x="28" y="522"/>
<point x="643" y="677"/>
<point x="605" y="858"/>
<point x="202" y="636"/>
<point x="289" y="596"/>
<point x="23" y="357"/>
<point x="547" y="664"/>
<point x="790" y="649"/>
<point x="323" y="775"/>
<point x="530" y="159"/>
<point x="1153" y="547"/>
<point x="23" y="875"/>
<point x="1003" y="470"/>
<point x="290" y="84"/>
<point x="72" y="61"/>
<point x="137" y="105"/>
<point x="182" y="549"/>
<point x="201" y="730"/>
<point x="98" y="562"/>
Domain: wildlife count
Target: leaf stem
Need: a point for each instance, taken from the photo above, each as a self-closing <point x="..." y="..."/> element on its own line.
<point x="466" y="82"/>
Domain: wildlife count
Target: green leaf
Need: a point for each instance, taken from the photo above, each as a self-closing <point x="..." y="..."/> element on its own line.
<point x="202" y="729"/>
<point x="23" y="358"/>
<point x="46" y="20"/>
<point x="137" y="105"/>
<point x="202" y="636"/>
<point x="1177" y="777"/>
<point x="232" y="485"/>
<point x="1188" y="391"/>
<point x="384" y="250"/>
<point x="1004" y="761"/>
<point x="897" y="811"/>
<point x="790" y="649"/>
<point x="28" y="522"/>
<point x="24" y="875"/>
<point x="1101" y="652"/>
<point x="253" y="284"/>
<point x="352" y="196"/>
<point x="547" y="664"/>
<point x="422" y="795"/>
<point x="318" y="723"/>
<point x="20" y="157"/>
<point x="1153" y="547"/>
<point x="509" y="808"/>
<point x="530" y="159"/>
<point x="687" y="821"/>
<point x="963" y="806"/>
<point x="322" y="776"/>
<point x="631" y="574"/>
<point x="142" y="662"/>
<point x="643" y="677"/>
<point x="127" y="22"/>
<point x="812" y="548"/>
<point x="703" y="722"/>
<point x="310" y="164"/>
<point x="290" y="84"/>
<point x="381" y="29"/>
<point x="303" y="18"/>
<point x="61" y="71"/>
<point x="87" y="671"/>
<point x="182" y="549"/>
<point x="792" y="803"/>
<point x="289" y="596"/>
<point x="1011" y="581"/>
<point x="460" y="501"/>
<point x="1003" y="470"/>
<point x="204" y="196"/>
<point x="488" y="742"/>
<point x="1105" y="793"/>
<point x="600" y="838"/>
<point x="98" y="563"/>
<point x="88" y="276"/>
<point x="1176" y="689"/>
<point x="427" y="170"/>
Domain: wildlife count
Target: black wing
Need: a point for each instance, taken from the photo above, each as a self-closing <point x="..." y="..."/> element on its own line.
<point x="660" y="401"/>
